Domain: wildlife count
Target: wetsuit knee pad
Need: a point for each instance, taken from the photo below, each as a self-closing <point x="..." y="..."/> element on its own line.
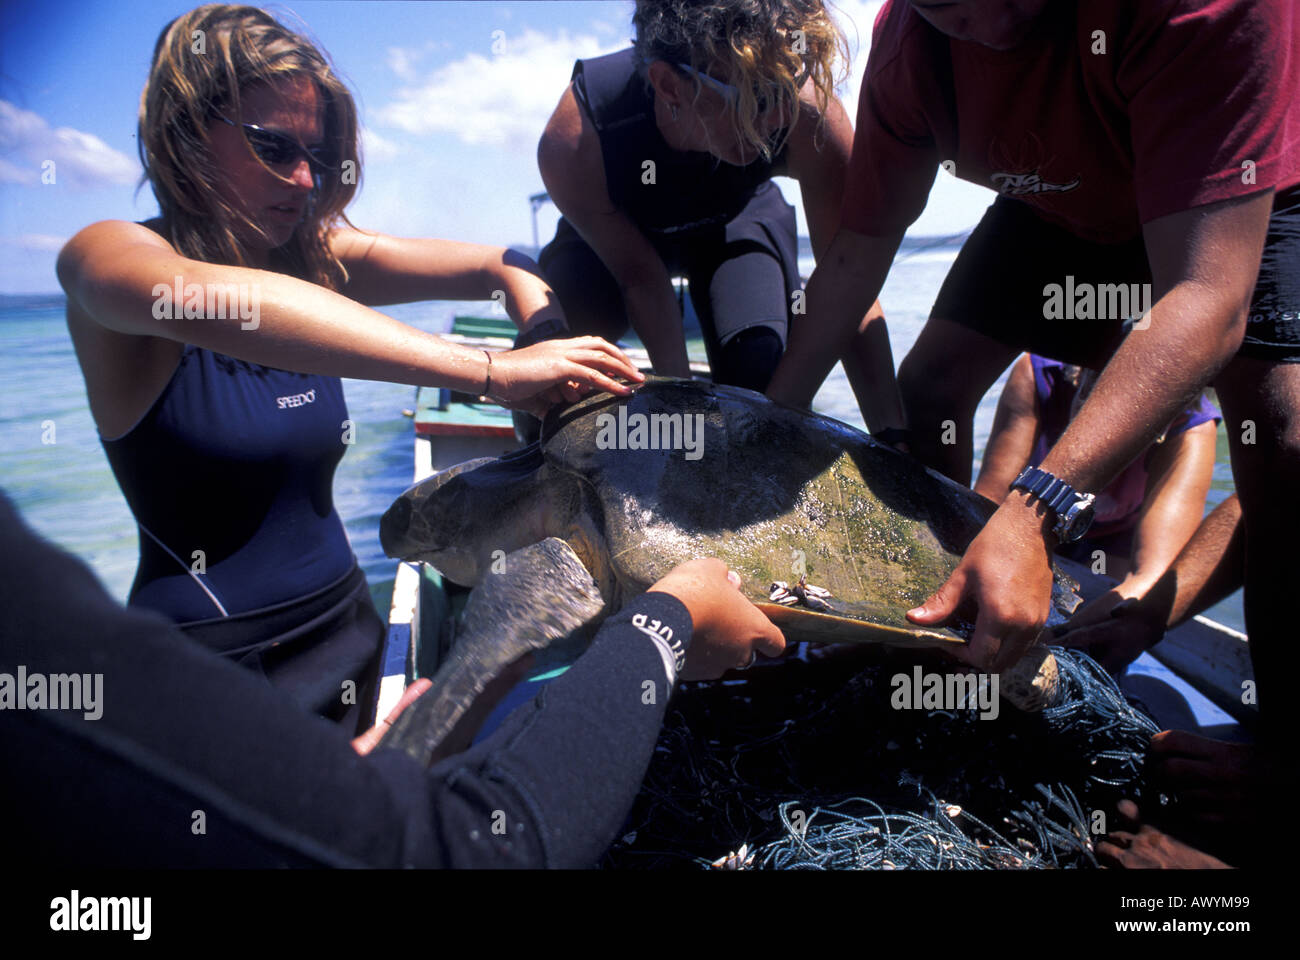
<point x="749" y="358"/>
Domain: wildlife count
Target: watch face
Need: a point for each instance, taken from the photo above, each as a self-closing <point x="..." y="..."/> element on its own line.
<point x="1077" y="520"/>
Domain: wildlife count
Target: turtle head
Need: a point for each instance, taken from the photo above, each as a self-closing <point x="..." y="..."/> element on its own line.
<point x="458" y="519"/>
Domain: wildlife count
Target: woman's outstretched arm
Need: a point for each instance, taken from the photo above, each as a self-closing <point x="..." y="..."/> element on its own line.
<point x="124" y="277"/>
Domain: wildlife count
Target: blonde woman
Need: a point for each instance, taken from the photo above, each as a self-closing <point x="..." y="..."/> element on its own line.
<point x="661" y="158"/>
<point x="212" y="339"/>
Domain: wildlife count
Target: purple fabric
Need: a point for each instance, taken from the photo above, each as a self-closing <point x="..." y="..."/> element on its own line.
<point x="1120" y="503"/>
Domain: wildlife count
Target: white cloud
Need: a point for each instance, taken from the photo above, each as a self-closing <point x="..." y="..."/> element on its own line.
<point x="856" y="18"/>
<point x="500" y="99"/>
<point x="402" y="62"/>
<point x="83" y="160"/>
<point x="42" y="242"/>
<point x="375" y="147"/>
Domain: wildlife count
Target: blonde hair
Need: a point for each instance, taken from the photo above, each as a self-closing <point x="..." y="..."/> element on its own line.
<point x="202" y="62"/>
<point x="755" y="44"/>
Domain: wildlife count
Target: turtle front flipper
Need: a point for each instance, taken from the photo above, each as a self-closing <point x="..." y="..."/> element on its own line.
<point x="542" y="601"/>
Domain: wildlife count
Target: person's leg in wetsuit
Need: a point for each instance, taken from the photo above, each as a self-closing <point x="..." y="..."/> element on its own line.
<point x="587" y="291"/>
<point x="742" y="279"/>
<point x="741" y="301"/>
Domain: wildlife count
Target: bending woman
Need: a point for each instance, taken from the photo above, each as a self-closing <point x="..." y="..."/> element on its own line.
<point x="661" y="158"/>
<point x="212" y="339"/>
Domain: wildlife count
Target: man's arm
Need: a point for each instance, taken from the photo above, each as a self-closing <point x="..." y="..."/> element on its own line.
<point x="818" y="158"/>
<point x="845" y="284"/>
<point x="572" y="168"/>
<point x="1204" y="262"/>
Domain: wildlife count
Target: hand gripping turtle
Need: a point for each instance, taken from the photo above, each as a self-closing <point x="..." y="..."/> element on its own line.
<point x="585" y="526"/>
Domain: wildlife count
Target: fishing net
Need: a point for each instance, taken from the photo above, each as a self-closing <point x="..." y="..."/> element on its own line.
<point x="807" y="765"/>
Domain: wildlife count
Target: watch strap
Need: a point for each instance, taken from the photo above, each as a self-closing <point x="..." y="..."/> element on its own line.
<point x="551" y="329"/>
<point x="1052" y="491"/>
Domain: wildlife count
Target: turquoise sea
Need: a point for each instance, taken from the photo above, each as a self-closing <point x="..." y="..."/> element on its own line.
<point x="66" y="491"/>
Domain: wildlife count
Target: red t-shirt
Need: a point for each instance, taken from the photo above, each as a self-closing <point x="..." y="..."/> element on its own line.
<point x="1099" y="143"/>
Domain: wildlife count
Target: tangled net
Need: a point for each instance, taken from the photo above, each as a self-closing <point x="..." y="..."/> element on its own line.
<point x="807" y="765"/>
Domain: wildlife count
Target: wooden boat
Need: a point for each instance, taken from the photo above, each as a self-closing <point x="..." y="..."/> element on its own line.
<point x="1195" y="676"/>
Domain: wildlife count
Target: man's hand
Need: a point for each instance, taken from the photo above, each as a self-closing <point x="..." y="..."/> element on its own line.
<point x="1006" y="573"/>
<point x="728" y="630"/>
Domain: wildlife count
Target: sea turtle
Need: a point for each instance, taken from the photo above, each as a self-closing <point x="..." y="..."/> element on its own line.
<point x="834" y="534"/>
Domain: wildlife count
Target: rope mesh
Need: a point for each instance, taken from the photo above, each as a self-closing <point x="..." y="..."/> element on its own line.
<point x="807" y="765"/>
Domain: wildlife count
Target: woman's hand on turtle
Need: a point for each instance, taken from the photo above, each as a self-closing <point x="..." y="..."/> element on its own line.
<point x="728" y="629"/>
<point x="554" y="371"/>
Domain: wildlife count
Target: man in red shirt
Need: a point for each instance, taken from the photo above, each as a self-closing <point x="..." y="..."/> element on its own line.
<point x="1149" y="148"/>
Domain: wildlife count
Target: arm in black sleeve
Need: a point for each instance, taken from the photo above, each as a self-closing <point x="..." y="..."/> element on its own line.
<point x="560" y="775"/>
<point x="186" y="759"/>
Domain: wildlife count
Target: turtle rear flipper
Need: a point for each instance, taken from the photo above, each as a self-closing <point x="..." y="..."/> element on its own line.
<point x="543" y="601"/>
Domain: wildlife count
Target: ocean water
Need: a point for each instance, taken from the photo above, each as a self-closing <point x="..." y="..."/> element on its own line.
<point x="65" y="490"/>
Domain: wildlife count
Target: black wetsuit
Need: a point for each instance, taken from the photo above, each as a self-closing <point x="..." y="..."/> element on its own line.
<point x="229" y="476"/>
<point x="726" y="228"/>
<point x="181" y="732"/>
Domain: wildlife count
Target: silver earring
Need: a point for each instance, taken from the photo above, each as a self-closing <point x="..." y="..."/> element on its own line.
<point x="672" y="110"/>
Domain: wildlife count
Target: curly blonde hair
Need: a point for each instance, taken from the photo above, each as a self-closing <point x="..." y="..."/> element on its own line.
<point x="202" y="62"/>
<point x="760" y="47"/>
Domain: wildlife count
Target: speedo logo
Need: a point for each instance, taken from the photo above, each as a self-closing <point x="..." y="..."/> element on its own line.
<point x="296" y="400"/>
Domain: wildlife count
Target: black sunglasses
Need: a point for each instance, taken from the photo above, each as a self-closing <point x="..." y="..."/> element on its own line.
<point x="276" y="148"/>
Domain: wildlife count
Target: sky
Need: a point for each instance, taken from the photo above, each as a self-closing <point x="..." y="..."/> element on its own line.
<point x="453" y="96"/>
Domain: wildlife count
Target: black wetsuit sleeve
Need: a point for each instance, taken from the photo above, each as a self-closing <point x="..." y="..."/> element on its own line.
<point x="560" y="775"/>
<point x="176" y="757"/>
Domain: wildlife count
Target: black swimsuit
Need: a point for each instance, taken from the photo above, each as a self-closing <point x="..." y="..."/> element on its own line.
<point x="229" y="477"/>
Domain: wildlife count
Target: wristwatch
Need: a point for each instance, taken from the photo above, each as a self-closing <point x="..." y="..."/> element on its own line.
<point x="551" y="329"/>
<point x="1073" y="510"/>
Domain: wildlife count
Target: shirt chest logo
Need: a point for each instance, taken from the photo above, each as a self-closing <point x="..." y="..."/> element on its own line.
<point x="296" y="399"/>
<point x="1018" y="184"/>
